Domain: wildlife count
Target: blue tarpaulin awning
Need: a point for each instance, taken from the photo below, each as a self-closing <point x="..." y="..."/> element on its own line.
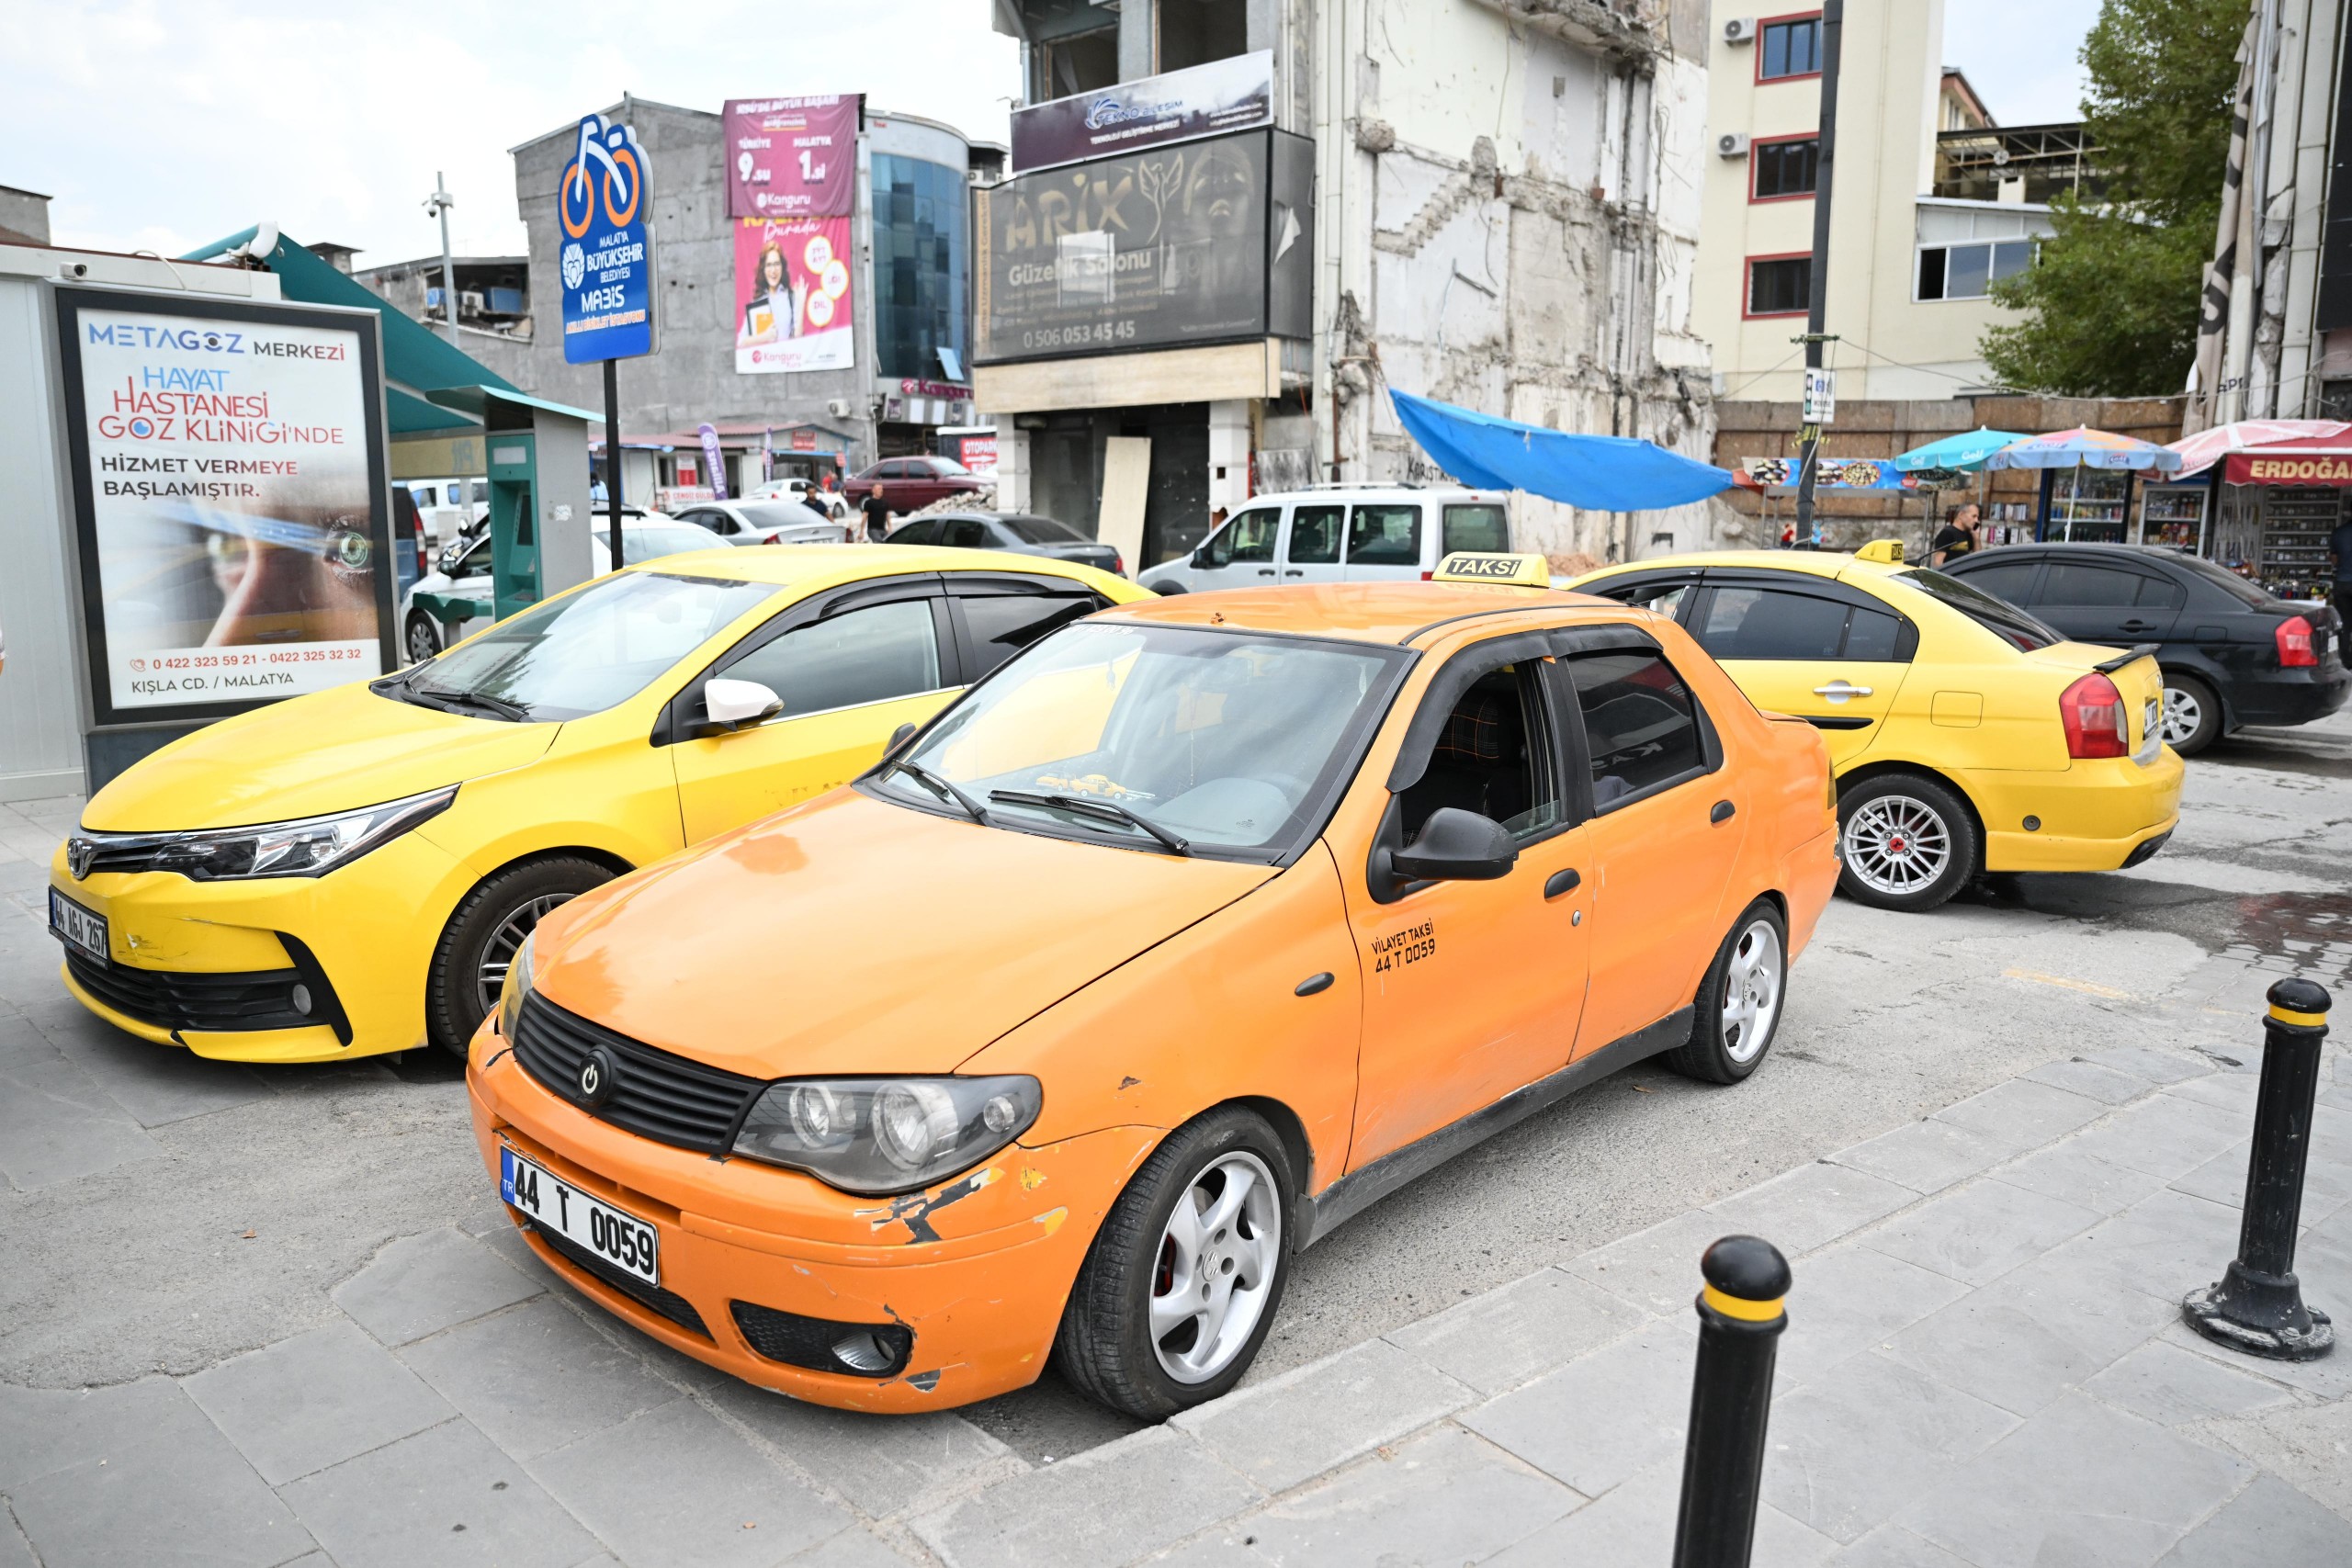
<point x="1603" y="473"/>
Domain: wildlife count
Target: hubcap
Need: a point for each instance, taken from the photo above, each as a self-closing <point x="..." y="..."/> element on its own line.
<point x="491" y="978"/>
<point x="1216" y="1267"/>
<point x="420" y="642"/>
<point x="1897" y="845"/>
<point x="2183" y="713"/>
<point x="1751" y="992"/>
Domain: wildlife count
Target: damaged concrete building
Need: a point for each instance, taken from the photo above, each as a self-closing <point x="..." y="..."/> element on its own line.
<point x="1491" y="202"/>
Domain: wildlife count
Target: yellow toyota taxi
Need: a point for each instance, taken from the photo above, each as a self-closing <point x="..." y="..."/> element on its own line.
<point x="1967" y="737"/>
<point x="351" y="872"/>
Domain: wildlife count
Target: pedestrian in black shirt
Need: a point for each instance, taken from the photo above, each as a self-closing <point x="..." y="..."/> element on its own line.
<point x="1955" y="539"/>
<point x="2340" y="542"/>
<point x="878" y="515"/>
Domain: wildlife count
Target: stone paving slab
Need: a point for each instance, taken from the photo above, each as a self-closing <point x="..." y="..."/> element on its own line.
<point x="1323" y="1414"/>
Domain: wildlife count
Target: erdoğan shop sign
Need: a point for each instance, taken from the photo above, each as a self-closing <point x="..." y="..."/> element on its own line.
<point x="791" y="157"/>
<point x="2332" y="468"/>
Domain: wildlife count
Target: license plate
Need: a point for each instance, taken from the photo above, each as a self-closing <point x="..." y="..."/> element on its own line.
<point x="76" y="927"/>
<point x="2152" y="732"/>
<point x="619" y="1238"/>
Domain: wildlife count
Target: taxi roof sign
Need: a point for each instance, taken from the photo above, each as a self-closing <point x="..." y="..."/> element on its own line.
<point x="1887" y="551"/>
<point x="1517" y="570"/>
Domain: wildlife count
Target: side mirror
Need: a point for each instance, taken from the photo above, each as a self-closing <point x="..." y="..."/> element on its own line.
<point x="731" y="704"/>
<point x="899" y="737"/>
<point x="1457" y="846"/>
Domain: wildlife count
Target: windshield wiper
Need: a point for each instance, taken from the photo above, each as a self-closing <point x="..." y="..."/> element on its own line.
<point x="480" y="700"/>
<point x="1101" y="810"/>
<point x="937" y="785"/>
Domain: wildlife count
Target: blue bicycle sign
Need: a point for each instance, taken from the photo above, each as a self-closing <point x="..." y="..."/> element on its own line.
<point x="605" y="252"/>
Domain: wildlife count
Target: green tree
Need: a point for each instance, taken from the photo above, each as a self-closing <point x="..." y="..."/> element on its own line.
<point x="2112" y="309"/>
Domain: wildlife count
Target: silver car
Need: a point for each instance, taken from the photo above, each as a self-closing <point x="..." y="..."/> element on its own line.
<point x="765" y="523"/>
<point x="463" y="572"/>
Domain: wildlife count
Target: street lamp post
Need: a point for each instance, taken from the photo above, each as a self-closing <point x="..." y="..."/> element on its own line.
<point x="438" y="204"/>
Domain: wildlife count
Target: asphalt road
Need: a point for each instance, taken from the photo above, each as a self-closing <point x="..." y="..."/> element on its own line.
<point x="165" y="1212"/>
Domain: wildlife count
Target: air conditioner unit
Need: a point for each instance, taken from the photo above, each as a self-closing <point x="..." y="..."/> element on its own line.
<point x="837" y="407"/>
<point x="1732" y="145"/>
<point x="469" y="299"/>
<point x="1740" y="29"/>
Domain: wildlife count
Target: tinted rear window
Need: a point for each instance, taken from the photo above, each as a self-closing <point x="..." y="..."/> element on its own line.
<point x="1998" y="616"/>
<point x="2228" y="581"/>
<point x="1042" y="531"/>
<point x="1478" y="527"/>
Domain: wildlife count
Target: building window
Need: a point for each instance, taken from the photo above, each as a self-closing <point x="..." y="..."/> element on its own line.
<point x="1966" y="272"/>
<point x="1778" y="285"/>
<point x="1789" y="48"/>
<point x="1786" y="168"/>
<point x="920" y="261"/>
<point x="1194" y="32"/>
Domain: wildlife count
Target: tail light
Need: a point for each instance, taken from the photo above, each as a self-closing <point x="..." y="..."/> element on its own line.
<point x="2294" y="634"/>
<point x="2092" y="711"/>
<point x="1118" y="564"/>
<point x="1428" y="576"/>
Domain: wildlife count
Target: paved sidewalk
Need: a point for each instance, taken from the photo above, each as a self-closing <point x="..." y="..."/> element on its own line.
<point x="1985" y="1365"/>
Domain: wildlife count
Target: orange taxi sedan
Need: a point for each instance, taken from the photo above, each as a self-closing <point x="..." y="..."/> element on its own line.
<point x="1192" y="931"/>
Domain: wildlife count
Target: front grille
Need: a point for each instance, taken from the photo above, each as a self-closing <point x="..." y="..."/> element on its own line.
<point x="669" y="1303"/>
<point x="212" y="1003"/>
<point x="855" y="1350"/>
<point x="654" y="1093"/>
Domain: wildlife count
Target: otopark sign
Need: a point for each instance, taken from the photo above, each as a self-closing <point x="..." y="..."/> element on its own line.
<point x="604" y="204"/>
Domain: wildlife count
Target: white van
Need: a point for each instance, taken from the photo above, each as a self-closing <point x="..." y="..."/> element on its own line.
<point x="1343" y="533"/>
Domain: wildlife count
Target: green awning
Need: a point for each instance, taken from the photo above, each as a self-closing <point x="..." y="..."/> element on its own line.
<point x="418" y="363"/>
<point x="475" y="400"/>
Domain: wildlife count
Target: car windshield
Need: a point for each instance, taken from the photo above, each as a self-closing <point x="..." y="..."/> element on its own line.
<point x="1042" y="531"/>
<point x="2000" y="617"/>
<point x="584" y="652"/>
<point x="1229" y="744"/>
<point x="2252" y="595"/>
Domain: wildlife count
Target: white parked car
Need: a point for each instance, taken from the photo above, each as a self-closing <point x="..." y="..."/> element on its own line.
<point x="463" y="572"/>
<point x="798" y="490"/>
<point x="1349" y="532"/>
<point x="765" y="523"/>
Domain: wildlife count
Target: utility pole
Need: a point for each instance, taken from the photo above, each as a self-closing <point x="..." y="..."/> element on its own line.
<point x="1833" y="18"/>
<point x="438" y="204"/>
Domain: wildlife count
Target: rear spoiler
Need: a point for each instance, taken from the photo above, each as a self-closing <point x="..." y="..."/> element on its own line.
<point x="2127" y="656"/>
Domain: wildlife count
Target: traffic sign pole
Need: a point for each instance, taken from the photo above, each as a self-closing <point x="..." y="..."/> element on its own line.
<point x="612" y="458"/>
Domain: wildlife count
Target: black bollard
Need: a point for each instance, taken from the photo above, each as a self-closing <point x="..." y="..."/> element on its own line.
<point x="1740" y="1320"/>
<point x="2258" y="1304"/>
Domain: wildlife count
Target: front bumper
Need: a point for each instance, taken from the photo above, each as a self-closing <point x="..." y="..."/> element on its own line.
<point x="2095" y="815"/>
<point x="361" y="938"/>
<point x="976" y="1268"/>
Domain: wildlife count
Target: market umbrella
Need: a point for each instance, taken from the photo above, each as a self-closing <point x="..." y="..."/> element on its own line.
<point x="1604" y="473"/>
<point x="2207" y="448"/>
<point x="1960" y="454"/>
<point x="2085" y="447"/>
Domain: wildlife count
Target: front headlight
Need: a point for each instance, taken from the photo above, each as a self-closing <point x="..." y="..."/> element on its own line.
<point x="513" y="988"/>
<point x="312" y="846"/>
<point x="876" y="1136"/>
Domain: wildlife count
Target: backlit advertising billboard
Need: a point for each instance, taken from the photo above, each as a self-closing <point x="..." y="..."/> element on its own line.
<point x="232" y="513"/>
<point x="1201" y="242"/>
<point x="793" y="299"/>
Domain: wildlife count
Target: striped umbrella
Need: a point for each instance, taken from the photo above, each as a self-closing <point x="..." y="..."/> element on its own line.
<point x="2085" y="447"/>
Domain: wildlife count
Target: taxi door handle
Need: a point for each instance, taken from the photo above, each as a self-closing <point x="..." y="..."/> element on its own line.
<point x="1561" y="882"/>
<point x="1315" y="983"/>
<point x="1840" y="689"/>
<point x="1723" y="812"/>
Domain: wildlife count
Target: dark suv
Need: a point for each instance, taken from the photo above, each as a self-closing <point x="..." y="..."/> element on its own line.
<point x="2232" y="653"/>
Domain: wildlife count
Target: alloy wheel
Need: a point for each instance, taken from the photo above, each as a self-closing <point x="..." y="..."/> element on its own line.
<point x="1896" y="844"/>
<point x="498" y="954"/>
<point x="421" y="643"/>
<point x="2183" y="713"/>
<point x="1751" y="992"/>
<point x="1218" y="1260"/>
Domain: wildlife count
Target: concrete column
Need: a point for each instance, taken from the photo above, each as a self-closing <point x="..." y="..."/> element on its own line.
<point x="1229" y="452"/>
<point x="1137" y="36"/>
<point x="1012" y="467"/>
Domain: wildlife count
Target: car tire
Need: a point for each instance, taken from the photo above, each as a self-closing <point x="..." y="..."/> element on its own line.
<point x="1740" y="1001"/>
<point x="1106" y="1347"/>
<point x="421" y="642"/>
<point x="1906" y="843"/>
<point x="2193" y="709"/>
<point x="489" y="925"/>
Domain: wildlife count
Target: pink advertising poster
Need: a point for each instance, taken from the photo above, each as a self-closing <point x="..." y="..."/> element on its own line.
<point x="791" y="157"/>
<point x="792" y="294"/>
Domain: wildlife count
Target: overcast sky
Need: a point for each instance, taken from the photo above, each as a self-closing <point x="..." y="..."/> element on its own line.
<point x="163" y="124"/>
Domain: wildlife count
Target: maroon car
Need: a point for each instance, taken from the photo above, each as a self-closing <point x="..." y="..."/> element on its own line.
<point x="909" y="484"/>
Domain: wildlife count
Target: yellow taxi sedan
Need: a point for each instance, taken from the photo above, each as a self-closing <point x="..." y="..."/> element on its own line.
<point x="352" y="872"/>
<point x="1966" y="737"/>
